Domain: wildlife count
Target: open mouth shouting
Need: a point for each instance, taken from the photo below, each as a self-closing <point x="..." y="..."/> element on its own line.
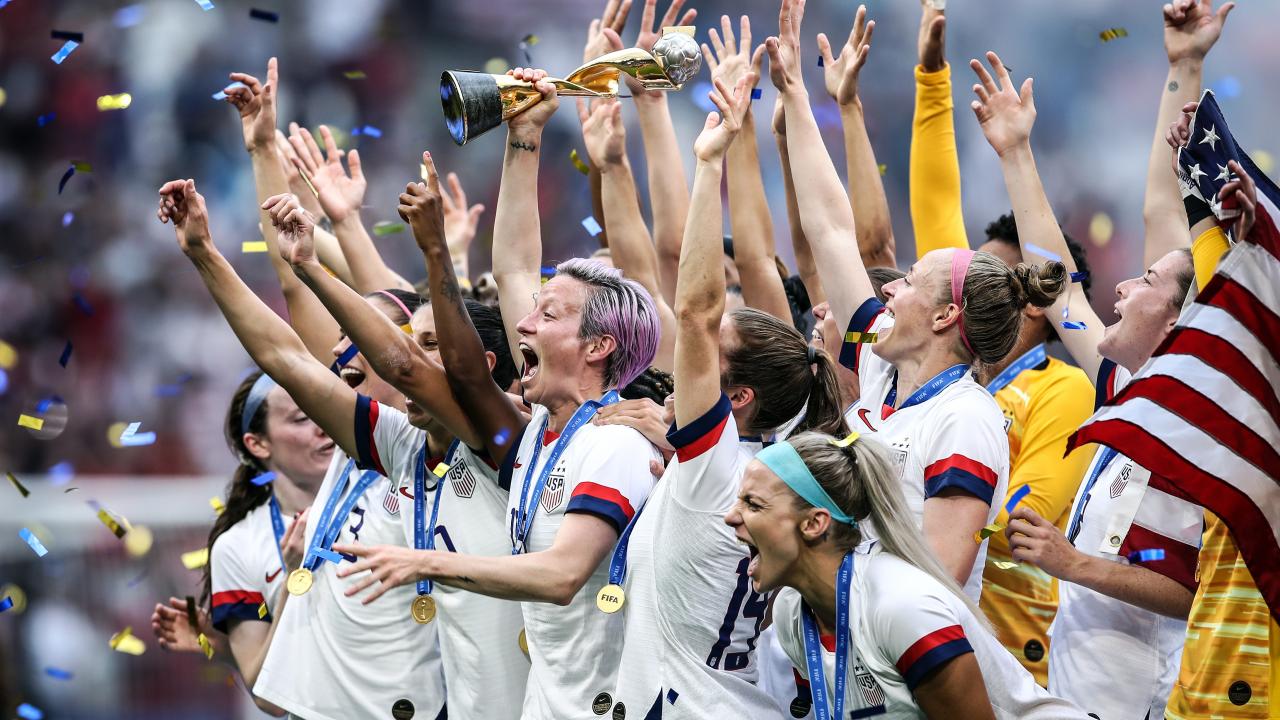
<point x="353" y="377"/>
<point x="530" y="363"/>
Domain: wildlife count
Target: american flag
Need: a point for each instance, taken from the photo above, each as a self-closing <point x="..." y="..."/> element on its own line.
<point x="1204" y="412"/>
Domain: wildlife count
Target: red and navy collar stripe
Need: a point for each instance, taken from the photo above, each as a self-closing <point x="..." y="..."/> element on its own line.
<point x="366" y="421"/>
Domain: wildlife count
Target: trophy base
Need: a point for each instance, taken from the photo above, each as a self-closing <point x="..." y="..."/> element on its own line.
<point x="472" y="104"/>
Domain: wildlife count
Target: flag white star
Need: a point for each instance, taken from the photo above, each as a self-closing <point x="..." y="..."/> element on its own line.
<point x="1215" y="206"/>
<point x="1210" y="136"/>
<point x="1224" y="174"/>
<point x="1196" y="172"/>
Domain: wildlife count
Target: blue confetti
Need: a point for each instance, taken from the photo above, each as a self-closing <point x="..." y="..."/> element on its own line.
<point x="222" y="94"/>
<point x="1074" y="325"/>
<point x="129" y="15"/>
<point x="501" y="437"/>
<point x="61" y="473"/>
<point x="820" y="63"/>
<point x="548" y="271"/>
<point x="7" y="602"/>
<point x="66" y="355"/>
<point x="1017" y="498"/>
<point x="82" y="303"/>
<point x="174" y="389"/>
<point x="45" y="403"/>
<point x="1148" y="555"/>
<point x="140" y="578"/>
<point x="344" y="358"/>
<point x="67" y="217"/>
<point x="65" y="177"/>
<point x="45" y="119"/>
<point x="205" y="5"/>
<point x="591" y="225"/>
<point x="64" y="51"/>
<point x="1227" y="87"/>
<point x="31" y="539"/>
<point x="756" y="93"/>
<point x="58" y="673"/>
<point x="1052" y="256"/>
<point x="369" y="130"/>
<point x="329" y="555"/>
<point x="266" y="15"/>
<point x="27" y="711"/>
<point x="263" y="479"/>
<point x="1079" y="277"/>
<point x="132" y="438"/>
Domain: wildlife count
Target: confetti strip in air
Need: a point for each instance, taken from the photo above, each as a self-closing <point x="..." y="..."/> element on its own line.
<point x="67" y="218"/>
<point x="253" y="246"/>
<point x="6" y="603"/>
<point x="529" y="40"/>
<point x="205" y="5"/>
<point x="369" y="130"/>
<point x="126" y="642"/>
<point x="66" y="49"/>
<point x="217" y="505"/>
<point x="860" y="337"/>
<point x="1074" y="325"/>
<point x="30" y="538"/>
<point x="591" y="225"/>
<point x="578" y="163"/>
<point x="383" y="228"/>
<point x="264" y="15"/>
<point x="65" y="177"/>
<point x="118" y="101"/>
<point x="45" y="119"/>
<point x="820" y="63"/>
<point x="58" y="673"/>
<point x="1113" y="33"/>
<point x="195" y="559"/>
<point x="132" y="438"/>
<point x="66" y="355"/>
<point x="222" y="94"/>
<point x="66" y="35"/>
<point x="1017" y="497"/>
<point x="345" y="357"/>
<point x="205" y="646"/>
<point x="1079" y="277"/>
<point x="1148" y="555"/>
<point x="329" y="555"/>
<point x="14" y="479"/>
<point x="883" y="169"/>
<point x="262" y="611"/>
<point x="1055" y="257"/>
<point x="987" y="532"/>
<point x="28" y="421"/>
<point x="8" y="355"/>
<point x="354" y="75"/>
<point x="264" y="478"/>
<point x="27" y="711"/>
<point x="501" y="437"/>
<point x="1004" y="564"/>
<point x="756" y="93"/>
<point x="112" y="524"/>
<point x="440" y="470"/>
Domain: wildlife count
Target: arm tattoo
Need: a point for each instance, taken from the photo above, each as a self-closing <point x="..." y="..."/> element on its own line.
<point x="1173" y="86"/>
<point x="523" y="145"/>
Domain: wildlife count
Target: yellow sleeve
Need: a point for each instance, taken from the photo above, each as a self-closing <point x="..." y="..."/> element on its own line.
<point x="1057" y="409"/>
<point x="1206" y="252"/>
<point x="936" y="214"/>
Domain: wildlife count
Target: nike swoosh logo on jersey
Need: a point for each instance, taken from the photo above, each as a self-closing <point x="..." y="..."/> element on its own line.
<point x="862" y="415"/>
<point x="405" y="492"/>
<point x="272" y="576"/>
<point x="516" y="465"/>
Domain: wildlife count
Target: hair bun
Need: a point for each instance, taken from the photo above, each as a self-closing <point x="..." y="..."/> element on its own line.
<point x="1040" y="285"/>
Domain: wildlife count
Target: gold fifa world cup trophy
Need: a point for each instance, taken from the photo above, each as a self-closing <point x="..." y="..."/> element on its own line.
<point x="475" y="103"/>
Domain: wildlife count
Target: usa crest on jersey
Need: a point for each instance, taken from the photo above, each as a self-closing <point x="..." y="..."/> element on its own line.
<point x="872" y="693"/>
<point x="1122" y="479"/>
<point x="553" y="495"/>
<point x="464" y="483"/>
<point x="391" y="500"/>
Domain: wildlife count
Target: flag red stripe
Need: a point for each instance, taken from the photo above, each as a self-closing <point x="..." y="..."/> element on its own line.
<point x="1226" y="358"/>
<point x="1237" y="301"/>
<point x="1204" y="414"/>
<point x="1248" y="525"/>
<point x="1264" y="233"/>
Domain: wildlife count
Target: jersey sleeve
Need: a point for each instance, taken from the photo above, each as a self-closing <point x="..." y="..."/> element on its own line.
<point x="1171" y="525"/>
<point x="707" y="449"/>
<point x="918" y="630"/>
<point x="934" y="176"/>
<point x="385" y="441"/>
<point x="1111" y="378"/>
<point x="615" y="477"/>
<point x="855" y="348"/>
<point x="965" y="451"/>
<point x="237" y="593"/>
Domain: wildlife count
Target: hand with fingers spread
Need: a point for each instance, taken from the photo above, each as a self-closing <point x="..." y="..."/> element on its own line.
<point x="784" y="49"/>
<point x="340" y="193"/>
<point x="721" y="128"/>
<point x="173" y="629"/>
<point x="291" y="164"/>
<point x="1191" y="27"/>
<point x="603" y="34"/>
<point x="1006" y="115"/>
<point x="293" y="545"/>
<point x="642" y="414"/>
<point x="531" y="122"/>
<point x="931" y="43"/>
<point x="603" y="133"/>
<point x="422" y="207"/>
<point x="184" y="207"/>
<point x="732" y="57"/>
<point x="460" y="219"/>
<point x="295" y="228"/>
<point x="841" y="74"/>
<point x="389" y="566"/>
<point x="649" y="34"/>
<point x="1038" y="541"/>
<point x="256" y="104"/>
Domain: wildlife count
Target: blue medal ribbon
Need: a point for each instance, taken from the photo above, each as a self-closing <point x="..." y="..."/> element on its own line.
<point x="813" y="647"/>
<point x="424" y="534"/>
<point x="329" y="525"/>
<point x="529" y="505"/>
<point x="277" y="525"/>
<point x="618" y="563"/>
<point x="1029" y="359"/>
<point x="929" y="389"/>
<point x="1104" y="459"/>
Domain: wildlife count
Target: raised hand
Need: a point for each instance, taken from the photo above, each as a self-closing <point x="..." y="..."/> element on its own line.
<point x="603" y="33"/>
<point x="256" y="104"/>
<point x="649" y="34"/>
<point x="184" y="207"/>
<point x="721" y="128"/>
<point x="603" y="132"/>
<point x="460" y="219"/>
<point x="931" y="43"/>
<point x="1191" y="27"/>
<point x="784" y="49"/>
<point x="422" y="207"/>
<point x="779" y="119"/>
<point x="1006" y="115"/>
<point x="340" y="193"/>
<point x="291" y="164"/>
<point x="295" y="228"/>
<point x="732" y="58"/>
<point x="536" y="117"/>
<point x="841" y="75"/>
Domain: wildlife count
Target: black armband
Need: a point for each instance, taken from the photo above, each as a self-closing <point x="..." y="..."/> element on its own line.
<point x="1197" y="210"/>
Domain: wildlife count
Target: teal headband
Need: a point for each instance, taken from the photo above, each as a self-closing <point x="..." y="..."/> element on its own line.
<point x="786" y="463"/>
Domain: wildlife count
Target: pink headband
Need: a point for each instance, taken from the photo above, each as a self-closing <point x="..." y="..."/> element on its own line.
<point x="959" y="269"/>
<point x="402" y="306"/>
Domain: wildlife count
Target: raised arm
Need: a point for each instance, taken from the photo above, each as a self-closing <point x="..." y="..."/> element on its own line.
<point x="1191" y="27"/>
<point x="632" y="250"/>
<point x="256" y="104"/>
<point x="488" y="409"/>
<point x="1006" y="117"/>
<point x="276" y="348"/>
<point x="805" y="265"/>
<point x="866" y="190"/>
<point x="460" y="222"/>
<point x="824" y="208"/>
<point x="749" y="218"/>
<point x="517" y="225"/>
<point x="341" y="194"/>
<point x="936" y="212"/>
<point x="327" y="247"/>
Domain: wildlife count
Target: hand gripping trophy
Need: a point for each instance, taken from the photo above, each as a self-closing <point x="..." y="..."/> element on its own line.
<point x="475" y="103"/>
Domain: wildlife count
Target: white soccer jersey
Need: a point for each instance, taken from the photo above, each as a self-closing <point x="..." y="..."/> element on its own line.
<point x="335" y="658"/>
<point x="904" y="625"/>
<point x="1100" y="643"/>
<point x="692" y="619"/>
<point x="948" y="435"/>
<point x="244" y="570"/>
<point x="575" y="649"/>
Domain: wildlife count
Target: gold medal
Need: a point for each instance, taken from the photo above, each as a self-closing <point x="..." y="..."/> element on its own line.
<point x="299" y="581"/>
<point x="423" y="609"/>
<point x="523" y="642"/>
<point x="611" y="598"/>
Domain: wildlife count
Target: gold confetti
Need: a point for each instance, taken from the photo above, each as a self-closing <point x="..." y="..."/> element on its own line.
<point x="883" y="169"/>
<point x="114" y="102"/>
<point x="82" y="166"/>
<point x="195" y="559"/>
<point x="386" y="227"/>
<point x="407" y="329"/>
<point x="3" y="97"/>
<point x="28" y="421"/>
<point x="1101" y="228"/>
<point x="860" y="337"/>
<point x="8" y="356"/>
<point x="205" y="645"/>
<point x="440" y="470"/>
<point x="115" y="432"/>
<point x="14" y="479"/>
<point x="1113" y="33"/>
<point x="138" y="541"/>
<point x="987" y="532"/>
<point x="529" y="40"/>
<point x="253" y="246"/>
<point x="126" y="642"/>
<point x="262" y="611"/>
<point x="115" y="527"/>
<point x="578" y="163"/>
<point x="1004" y="564"/>
<point x="217" y="505"/>
<point x="354" y="75"/>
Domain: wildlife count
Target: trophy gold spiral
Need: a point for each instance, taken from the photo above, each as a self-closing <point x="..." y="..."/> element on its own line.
<point x="475" y="103"/>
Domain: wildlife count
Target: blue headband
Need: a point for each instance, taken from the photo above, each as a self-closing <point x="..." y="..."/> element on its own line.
<point x="257" y="394"/>
<point x="785" y="462"/>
